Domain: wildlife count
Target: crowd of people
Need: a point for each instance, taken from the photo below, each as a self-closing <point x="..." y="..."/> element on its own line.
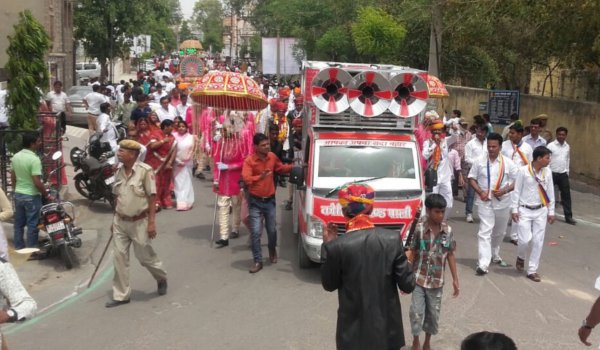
<point x="509" y="177"/>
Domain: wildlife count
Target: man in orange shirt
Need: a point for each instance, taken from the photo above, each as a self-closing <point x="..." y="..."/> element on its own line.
<point x="257" y="173"/>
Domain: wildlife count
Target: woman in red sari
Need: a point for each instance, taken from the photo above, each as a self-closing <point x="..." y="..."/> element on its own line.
<point x="159" y="155"/>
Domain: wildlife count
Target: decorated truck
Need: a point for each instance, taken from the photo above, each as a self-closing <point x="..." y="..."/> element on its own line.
<point x="358" y="122"/>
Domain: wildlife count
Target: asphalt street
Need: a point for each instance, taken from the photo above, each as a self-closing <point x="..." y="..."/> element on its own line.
<point x="214" y="303"/>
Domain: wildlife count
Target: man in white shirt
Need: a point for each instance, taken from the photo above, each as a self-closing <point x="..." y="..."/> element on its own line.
<point x="474" y="149"/>
<point x="435" y="151"/>
<point x="534" y="139"/>
<point x="166" y="110"/>
<point x="169" y="84"/>
<point x="492" y="177"/>
<point x="521" y="154"/>
<point x="559" y="164"/>
<point x="532" y="206"/>
<point x="57" y="100"/>
<point x="158" y="94"/>
<point x="92" y="102"/>
<point x="106" y="127"/>
<point x="182" y="108"/>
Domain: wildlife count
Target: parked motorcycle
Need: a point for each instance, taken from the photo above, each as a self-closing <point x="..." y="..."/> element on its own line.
<point x="97" y="174"/>
<point x="59" y="224"/>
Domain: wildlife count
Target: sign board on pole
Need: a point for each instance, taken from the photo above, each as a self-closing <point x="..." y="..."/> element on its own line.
<point x="501" y="104"/>
<point x="288" y="64"/>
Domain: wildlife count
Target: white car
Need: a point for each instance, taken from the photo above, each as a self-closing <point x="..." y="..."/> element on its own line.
<point x="87" y="70"/>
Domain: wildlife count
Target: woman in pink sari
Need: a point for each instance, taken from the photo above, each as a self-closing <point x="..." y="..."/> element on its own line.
<point x="187" y="147"/>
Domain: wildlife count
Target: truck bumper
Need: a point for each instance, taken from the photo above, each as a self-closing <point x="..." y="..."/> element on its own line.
<point x="312" y="246"/>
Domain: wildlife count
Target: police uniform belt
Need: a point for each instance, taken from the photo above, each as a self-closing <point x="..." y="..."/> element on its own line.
<point x="140" y="216"/>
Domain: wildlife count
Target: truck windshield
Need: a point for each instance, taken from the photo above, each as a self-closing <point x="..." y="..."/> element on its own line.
<point x="397" y="166"/>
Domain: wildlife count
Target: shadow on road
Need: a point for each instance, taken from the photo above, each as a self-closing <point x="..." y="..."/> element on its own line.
<point x="196" y="232"/>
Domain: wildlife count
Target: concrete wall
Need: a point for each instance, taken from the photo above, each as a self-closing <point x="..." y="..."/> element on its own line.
<point x="581" y="118"/>
<point x="57" y="18"/>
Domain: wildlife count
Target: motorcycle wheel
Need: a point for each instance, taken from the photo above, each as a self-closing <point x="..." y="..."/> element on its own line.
<point x="84" y="186"/>
<point x="67" y="256"/>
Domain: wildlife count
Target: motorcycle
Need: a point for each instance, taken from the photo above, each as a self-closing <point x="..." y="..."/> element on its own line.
<point x="97" y="175"/>
<point x="59" y="224"/>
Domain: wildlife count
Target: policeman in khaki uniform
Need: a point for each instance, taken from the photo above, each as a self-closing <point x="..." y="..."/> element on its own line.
<point x="134" y="222"/>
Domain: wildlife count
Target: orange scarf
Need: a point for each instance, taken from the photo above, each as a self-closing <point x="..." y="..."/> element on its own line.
<point x="359" y="222"/>
<point x="518" y="151"/>
<point x="437" y="156"/>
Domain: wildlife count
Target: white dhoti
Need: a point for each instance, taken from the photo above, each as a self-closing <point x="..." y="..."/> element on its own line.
<point x="532" y="229"/>
<point x="445" y="189"/>
<point x="492" y="228"/>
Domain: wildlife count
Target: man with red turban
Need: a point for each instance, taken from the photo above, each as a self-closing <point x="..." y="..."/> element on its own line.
<point x="366" y="266"/>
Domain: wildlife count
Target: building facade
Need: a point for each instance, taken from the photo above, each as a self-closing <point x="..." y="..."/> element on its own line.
<point x="57" y="18"/>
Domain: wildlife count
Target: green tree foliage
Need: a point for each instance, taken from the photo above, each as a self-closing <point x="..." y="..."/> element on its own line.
<point x="98" y="23"/>
<point x="208" y="17"/>
<point x="185" y="32"/>
<point x="377" y="36"/>
<point x="335" y="45"/>
<point x="27" y="68"/>
<point x="489" y="43"/>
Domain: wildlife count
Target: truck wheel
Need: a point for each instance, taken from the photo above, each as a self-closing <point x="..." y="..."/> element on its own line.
<point x="303" y="260"/>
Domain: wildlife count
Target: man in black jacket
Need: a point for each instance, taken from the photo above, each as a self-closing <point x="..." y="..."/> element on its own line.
<point x="369" y="314"/>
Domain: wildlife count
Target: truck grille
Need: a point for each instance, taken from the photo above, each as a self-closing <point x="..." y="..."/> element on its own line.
<point x="350" y="119"/>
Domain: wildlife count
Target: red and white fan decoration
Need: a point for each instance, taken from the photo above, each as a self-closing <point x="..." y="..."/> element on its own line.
<point x="410" y="94"/>
<point x="369" y="94"/>
<point x="329" y="88"/>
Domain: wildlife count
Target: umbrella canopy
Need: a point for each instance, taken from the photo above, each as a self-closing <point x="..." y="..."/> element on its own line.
<point x="436" y="88"/>
<point x="229" y="90"/>
<point x="191" y="44"/>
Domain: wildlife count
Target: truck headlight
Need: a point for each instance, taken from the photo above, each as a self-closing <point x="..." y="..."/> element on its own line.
<point x="316" y="227"/>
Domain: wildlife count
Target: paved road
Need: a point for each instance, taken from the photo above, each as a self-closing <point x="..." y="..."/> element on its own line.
<point x="214" y="303"/>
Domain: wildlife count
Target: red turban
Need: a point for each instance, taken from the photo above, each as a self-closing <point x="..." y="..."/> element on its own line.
<point x="356" y="198"/>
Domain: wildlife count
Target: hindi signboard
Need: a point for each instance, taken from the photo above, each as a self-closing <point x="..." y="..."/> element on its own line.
<point x="501" y="104"/>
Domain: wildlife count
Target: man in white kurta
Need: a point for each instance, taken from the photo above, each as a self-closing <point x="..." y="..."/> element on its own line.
<point x="521" y="154"/>
<point x="532" y="206"/>
<point x="474" y="149"/>
<point x="444" y="170"/>
<point x="492" y="177"/>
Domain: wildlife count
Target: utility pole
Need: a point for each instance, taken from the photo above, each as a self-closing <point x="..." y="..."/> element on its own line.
<point x="435" y="39"/>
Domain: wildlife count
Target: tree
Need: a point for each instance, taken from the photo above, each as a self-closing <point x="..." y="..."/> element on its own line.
<point x="185" y="32"/>
<point x="106" y="27"/>
<point x="208" y="16"/>
<point x="335" y="45"/>
<point x="27" y="69"/>
<point x="376" y="35"/>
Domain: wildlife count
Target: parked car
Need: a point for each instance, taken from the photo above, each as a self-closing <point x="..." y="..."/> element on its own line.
<point x="76" y="95"/>
<point x="87" y="70"/>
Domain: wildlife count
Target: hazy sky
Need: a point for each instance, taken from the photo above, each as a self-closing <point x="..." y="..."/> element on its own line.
<point x="187" y="6"/>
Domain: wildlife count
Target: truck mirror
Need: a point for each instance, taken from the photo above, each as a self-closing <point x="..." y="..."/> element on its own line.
<point x="297" y="176"/>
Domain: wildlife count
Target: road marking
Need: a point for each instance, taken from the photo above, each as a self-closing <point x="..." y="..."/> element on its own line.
<point x="580" y="294"/>
<point x="541" y="316"/>
<point x="495" y="286"/>
<point x="562" y="316"/>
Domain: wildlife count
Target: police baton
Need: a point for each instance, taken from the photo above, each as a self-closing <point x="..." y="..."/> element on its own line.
<point x="102" y="256"/>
